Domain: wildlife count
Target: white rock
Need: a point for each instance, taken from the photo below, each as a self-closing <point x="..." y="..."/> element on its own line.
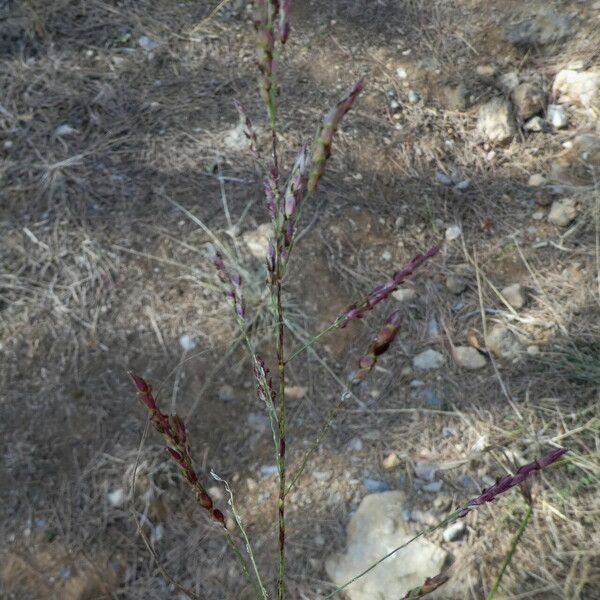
<point x="468" y="358"/>
<point x="116" y="498"/>
<point x="186" y="343"/>
<point x="533" y="350"/>
<point x="375" y="528"/>
<point x="514" y="295"/>
<point x="147" y="43"/>
<point x="430" y="359"/>
<point x="562" y="212"/>
<point x="529" y="99"/>
<point x="486" y="70"/>
<point x="509" y="81"/>
<point x="453" y="232"/>
<point x="574" y="87"/>
<point x="256" y="241"/>
<point x="557" y="116"/>
<point x="391" y="461"/>
<point x="535" y="124"/>
<point x="496" y="122"/>
<point x="404" y="294"/>
<point x="65" y="130"/>
<point x="226" y="393"/>
<point x="502" y="342"/>
<point x="401" y="72"/>
<point x="536" y="180"/>
<point x="454" y="532"/>
<point x="413" y="97"/>
<point x="455" y="284"/>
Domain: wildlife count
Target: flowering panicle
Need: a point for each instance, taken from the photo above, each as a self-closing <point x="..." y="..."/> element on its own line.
<point x="249" y="130"/>
<point x="284" y="21"/>
<point x="271" y="195"/>
<point x="385" y="336"/>
<point x="266" y="14"/>
<point x="174" y="432"/>
<point x="322" y="147"/>
<point x="509" y="481"/>
<point x="381" y="292"/>
<point x="264" y="383"/>
<point x="233" y="293"/>
<point x="293" y="196"/>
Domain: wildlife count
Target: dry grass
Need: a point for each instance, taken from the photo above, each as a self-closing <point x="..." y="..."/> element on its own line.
<point x="101" y="272"/>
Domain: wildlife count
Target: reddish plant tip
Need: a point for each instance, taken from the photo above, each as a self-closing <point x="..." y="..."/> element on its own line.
<point x="218" y="516"/>
<point x="175" y="454"/>
<point x="140" y="383"/>
<point x="205" y="500"/>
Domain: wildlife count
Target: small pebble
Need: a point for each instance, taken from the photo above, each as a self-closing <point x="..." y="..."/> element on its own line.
<point x="536" y="180"/>
<point x="556" y="115"/>
<point x="391" y="461"/>
<point x="454" y="532"/>
<point x="453" y="232"/>
<point x="374" y="486"/>
<point x="514" y="295"/>
<point x="425" y="471"/>
<point x="443" y="178"/>
<point x="405" y="295"/>
<point x="226" y="393"/>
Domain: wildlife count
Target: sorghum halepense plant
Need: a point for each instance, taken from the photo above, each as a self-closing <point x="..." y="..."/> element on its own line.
<point x="284" y="201"/>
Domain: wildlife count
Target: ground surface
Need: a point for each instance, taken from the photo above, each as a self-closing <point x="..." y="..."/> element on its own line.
<point x="108" y="142"/>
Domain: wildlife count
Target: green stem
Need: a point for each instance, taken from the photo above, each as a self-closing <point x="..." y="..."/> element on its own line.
<point x="313" y="340"/>
<point x="317" y="442"/>
<point x="281" y="466"/>
<point x="511" y="551"/>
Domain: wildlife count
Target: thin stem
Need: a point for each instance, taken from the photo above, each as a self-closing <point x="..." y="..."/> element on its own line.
<point x="281" y="421"/>
<point x="511" y="551"/>
<point x="313" y="340"/>
<point x="317" y="442"/>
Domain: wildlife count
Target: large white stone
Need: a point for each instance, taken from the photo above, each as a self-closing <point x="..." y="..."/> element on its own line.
<point x="375" y="529"/>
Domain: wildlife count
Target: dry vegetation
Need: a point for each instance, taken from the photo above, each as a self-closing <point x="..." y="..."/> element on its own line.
<point x="105" y="146"/>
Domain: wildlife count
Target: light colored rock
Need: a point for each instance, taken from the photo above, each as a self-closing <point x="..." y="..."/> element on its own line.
<point x="509" y="81"/>
<point x="186" y="343"/>
<point x="426" y="471"/>
<point x="391" y="461"/>
<point x="375" y="528"/>
<point x="65" y="130"/>
<point x="413" y="97"/>
<point x="256" y="240"/>
<point x="296" y="392"/>
<point x="226" y="393"/>
<point x="545" y="27"/>
<point x="454" y="532"/>
<point x="453" y="232"/>
<point x="117" y="498"/>
<point x="455" y="284"/>
<point x="486" y="70"/>
<point x="355" y="444"/>
<point x="443" y="178"/>
<point x="529" y="99"/>
<point x="579" y="163"/>
<point x="536" y="180"/>
<point x="147" y="43"/>
<point x="533" y="350"/>
<point x="503" y="343"/>
<point x="562" y="212"/>
<point x="574" y="87"/>
<point x="496" y="122"/>
<point x="454" y="97"/>
<point x="514" y="295"/>
<point x="430" y="359"/>
<point x="236" y="139"/>
<point x="405" y="294"/>
<point x="557" y="116"/>
<point x="468" y="358"/>
<point x="535" y="124"/>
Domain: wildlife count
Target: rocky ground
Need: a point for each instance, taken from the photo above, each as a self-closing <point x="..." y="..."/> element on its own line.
<point x="121" y="157"/>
